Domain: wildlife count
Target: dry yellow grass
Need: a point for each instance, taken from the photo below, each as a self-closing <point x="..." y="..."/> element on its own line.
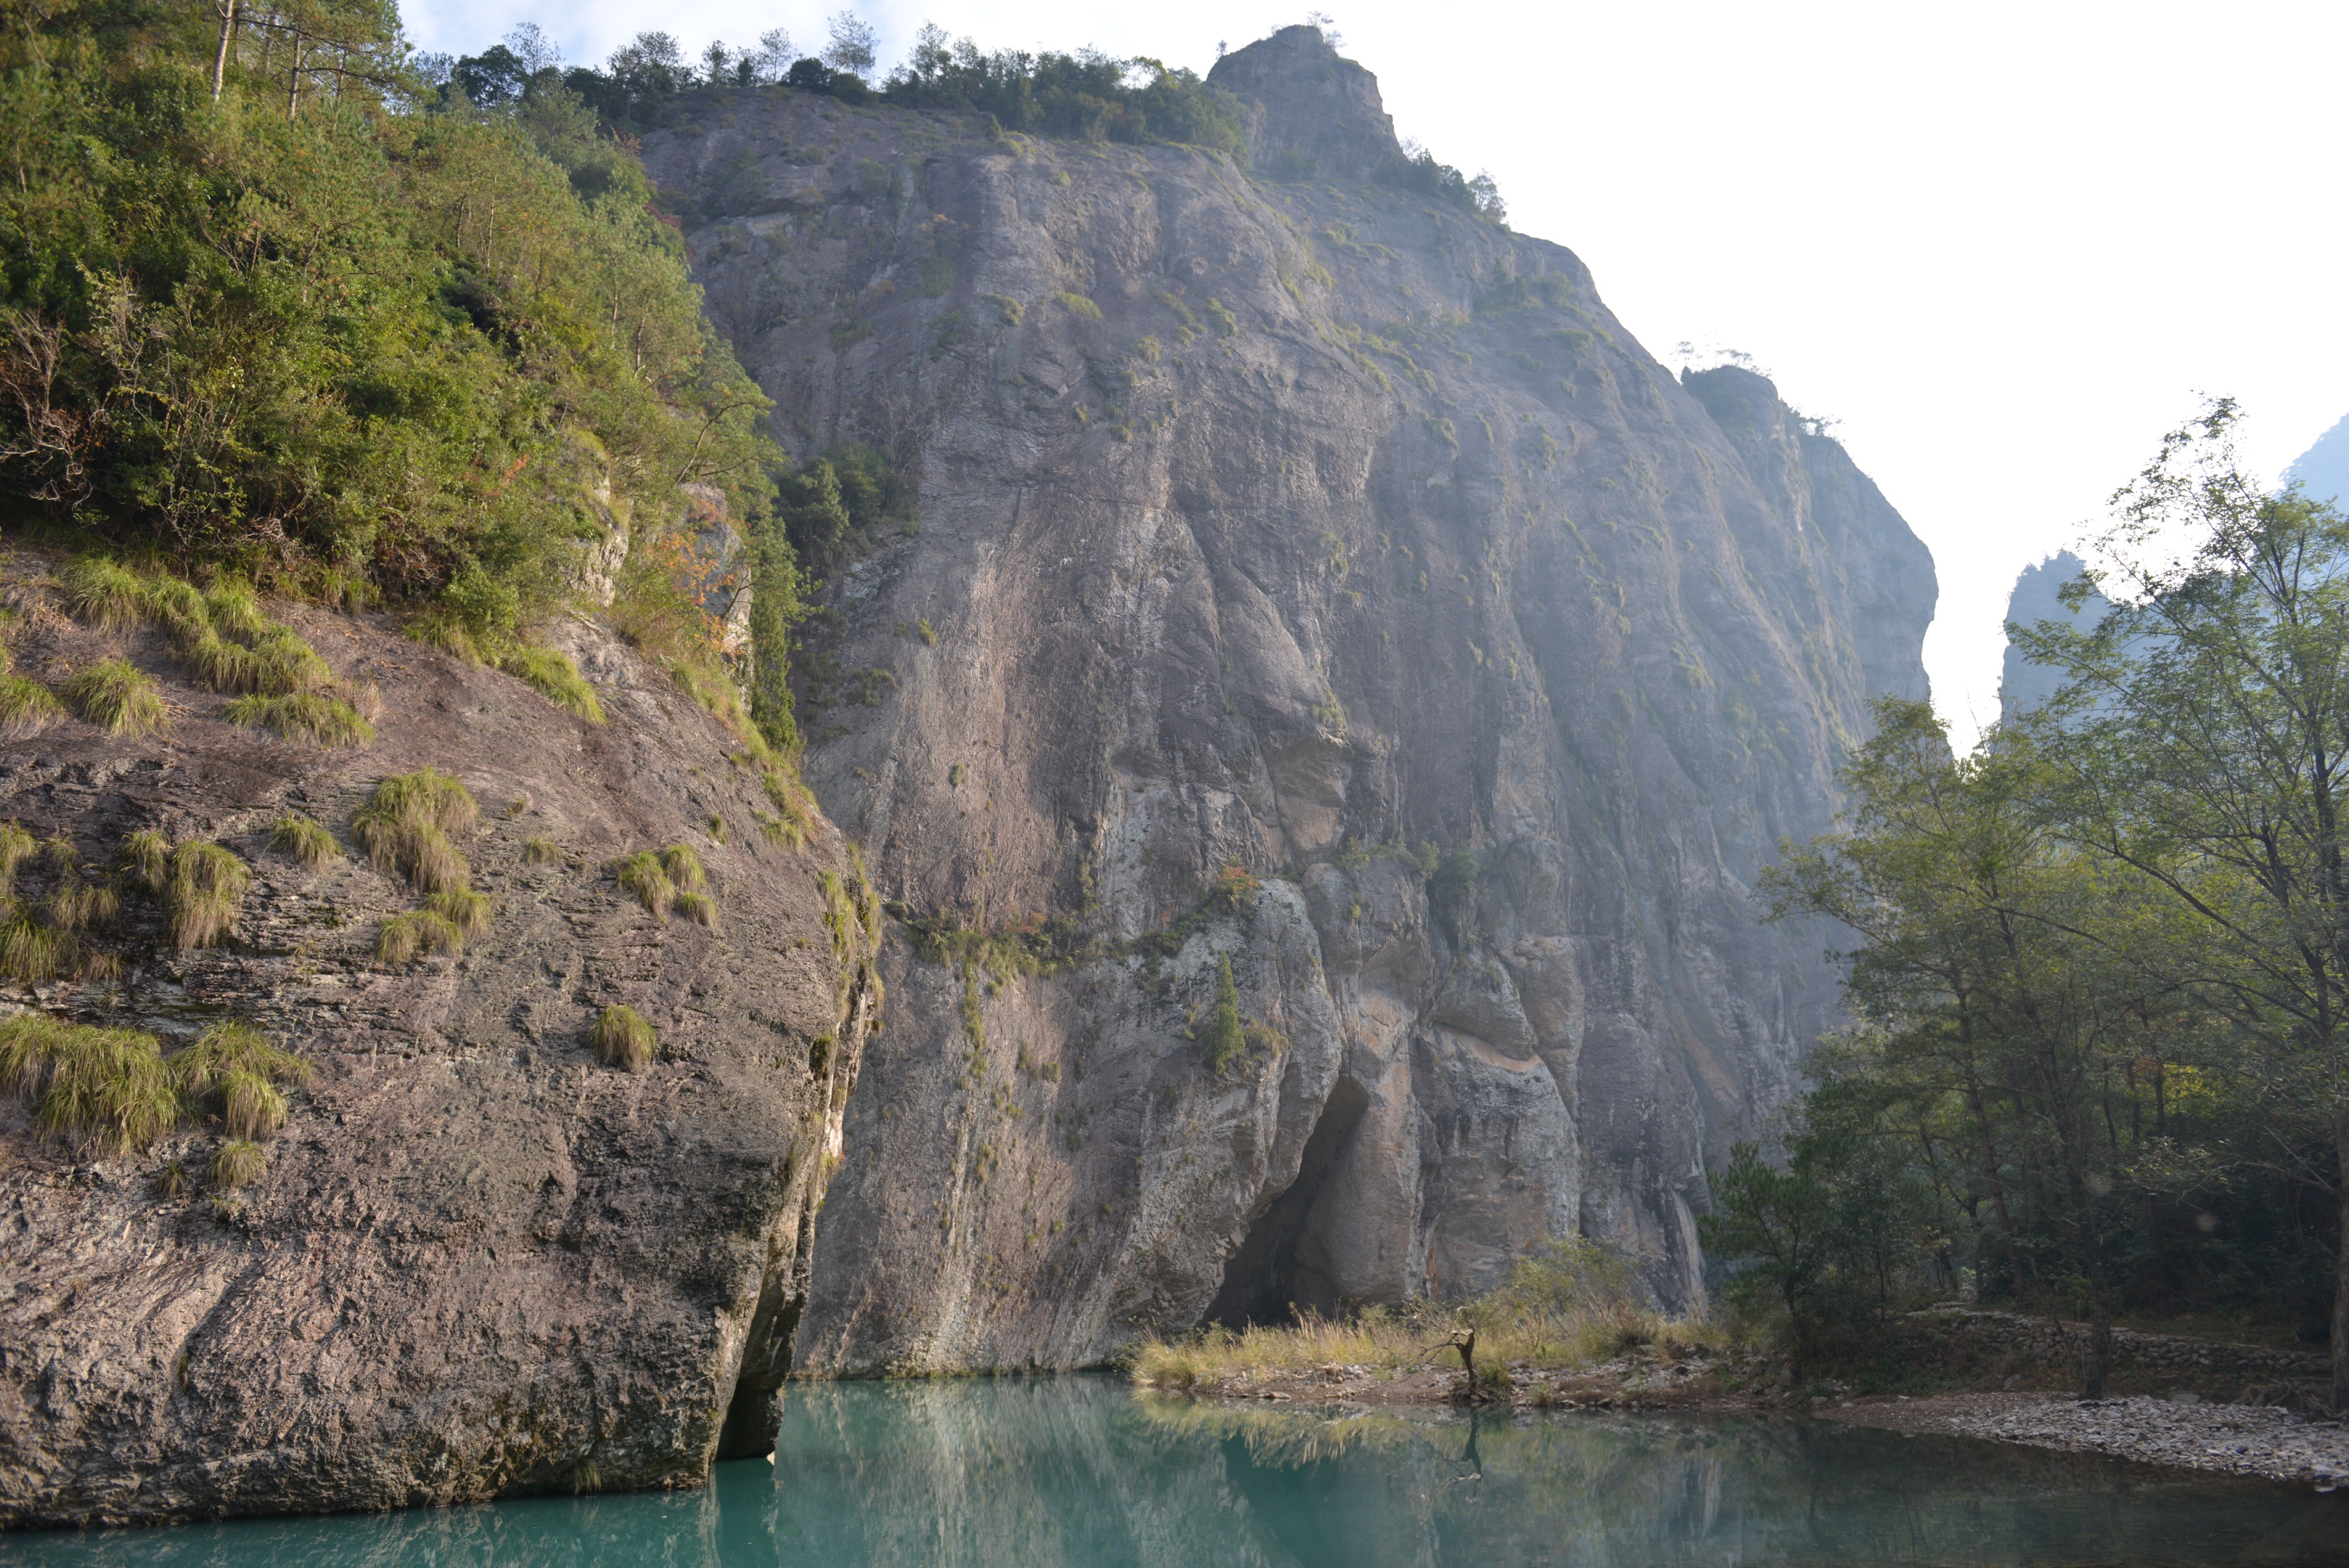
<point x="1571" y="1304"/>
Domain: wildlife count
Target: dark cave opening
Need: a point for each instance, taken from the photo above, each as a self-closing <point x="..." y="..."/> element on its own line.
<point x="1264" y="1283"/>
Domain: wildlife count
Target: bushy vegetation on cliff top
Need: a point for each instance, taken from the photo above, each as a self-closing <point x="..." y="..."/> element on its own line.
<point x="1086" y="96"/>
<point x="269" y="302"/>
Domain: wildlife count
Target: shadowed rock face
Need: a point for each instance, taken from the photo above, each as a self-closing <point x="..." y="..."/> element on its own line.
<point x="1288" y="526"/>
<point x="477" y="1262"/>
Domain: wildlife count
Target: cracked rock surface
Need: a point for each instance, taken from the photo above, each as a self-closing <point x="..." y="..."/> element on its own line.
<point x="1288" y="524"/>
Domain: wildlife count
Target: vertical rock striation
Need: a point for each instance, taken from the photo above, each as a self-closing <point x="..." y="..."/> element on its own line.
<point x="1314" y="576"/>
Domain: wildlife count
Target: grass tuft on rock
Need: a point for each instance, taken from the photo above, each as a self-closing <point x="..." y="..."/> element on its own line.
<point x="443" y="629"/>
<point x="642" y="875"/>
<point x="684" y="866"/>
<point x="239" y="1162"/>
<point x="405" y="827"/>
<point x="556" y="679"/>
<point x="285" y="666"/>
<point x="232" y="607"/>
<point x="542" y="852"/>
<point x="216" y="664"/>
<point x="225" y="1050"/>
<point x="28" y="708"/>
<point x="698" y="907"/>
<point x="402" y="937"/>
<point x="75" y="905"/>
<point x="297" y="837"/>
<point x="16" y="846"/>
<point x="102" y="1088"/>
<point x="624" y="1038"/>
<point x="203" y="894"/>
<point x="463" y="908"/>
<point x="31" y="952"/>
<point x="105" y="594"/>
<point x="147" y="855"/>
<point x="117" y="697"/>
<point x="306" y="716"/>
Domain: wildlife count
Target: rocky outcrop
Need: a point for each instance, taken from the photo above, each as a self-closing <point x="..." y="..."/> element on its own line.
<point x="2037" y="598"/>
<point x="1316" y="530"/>
<point x="478" y="1261"/>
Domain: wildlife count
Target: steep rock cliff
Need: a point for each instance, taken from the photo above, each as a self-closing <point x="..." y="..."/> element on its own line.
<point x="1286" y="526"/>
<point x="478" y="1261"/>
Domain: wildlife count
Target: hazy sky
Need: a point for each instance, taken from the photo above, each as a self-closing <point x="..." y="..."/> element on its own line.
<point x="2004" y="244"/>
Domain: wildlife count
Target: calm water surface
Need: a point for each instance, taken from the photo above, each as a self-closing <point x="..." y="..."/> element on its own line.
<point x="1048" y="1472"/>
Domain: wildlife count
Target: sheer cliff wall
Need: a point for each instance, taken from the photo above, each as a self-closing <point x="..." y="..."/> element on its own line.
<point x="1286" y="526"/>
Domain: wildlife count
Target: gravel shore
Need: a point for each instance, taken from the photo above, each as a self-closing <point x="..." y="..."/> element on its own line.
<point x="2239" y="1440"/>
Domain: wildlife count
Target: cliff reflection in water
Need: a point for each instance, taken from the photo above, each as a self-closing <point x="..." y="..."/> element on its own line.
<point x="1078" y="1472"/>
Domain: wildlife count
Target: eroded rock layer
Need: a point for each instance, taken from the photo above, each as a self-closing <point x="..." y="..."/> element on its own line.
<point x="478" y="1261"/>
<point x="1288" y="525"/>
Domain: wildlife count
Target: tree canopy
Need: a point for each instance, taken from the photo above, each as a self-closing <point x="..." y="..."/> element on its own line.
<point x="2100" y="972"/>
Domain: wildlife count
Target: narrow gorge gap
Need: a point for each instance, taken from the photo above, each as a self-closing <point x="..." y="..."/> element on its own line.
<point x="1263" y="1281"/>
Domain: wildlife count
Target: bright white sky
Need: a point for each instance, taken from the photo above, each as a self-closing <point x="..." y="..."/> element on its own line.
<point x="2005" y="244"/>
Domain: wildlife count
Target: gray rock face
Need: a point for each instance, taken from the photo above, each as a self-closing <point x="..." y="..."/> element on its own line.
<point x="2036" y="597"/>
<point x="479" y="1263"/>
<point x="1285" y="528"/>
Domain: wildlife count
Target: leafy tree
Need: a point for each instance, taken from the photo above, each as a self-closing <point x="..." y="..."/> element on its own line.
<point x="850" y="49"/>
<point x="1999" y="1008"/>
<point x="2203" y="743"/>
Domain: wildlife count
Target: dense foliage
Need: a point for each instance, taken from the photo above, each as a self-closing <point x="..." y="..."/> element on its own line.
<point x="1087" y="95"/>
<point x="266" y="302"/>
<point x="2102" y="969"/>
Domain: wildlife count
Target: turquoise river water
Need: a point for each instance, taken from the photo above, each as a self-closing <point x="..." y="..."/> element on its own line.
<point x="1047" y="1472"/>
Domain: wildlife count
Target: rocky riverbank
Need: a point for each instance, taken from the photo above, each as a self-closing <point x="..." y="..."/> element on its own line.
<point x="2185" y="1434"/>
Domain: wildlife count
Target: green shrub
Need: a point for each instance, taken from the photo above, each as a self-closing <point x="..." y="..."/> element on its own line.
<point x="542" y="852"/>
<point x="466" y="910"/>
<point x="203" y="894"/>
<point x="117" y="697"/>
<point x="642" y="875"/>
<point x="1078" y="304"/>
<point x="557" y="680"/>
<point x="104" y="593"/>
<point x="1223" y="1034"/>
<point x="239" y="1162"/>
<point x="351" y="392"/>
<point x="326" y="721"/>
<point x="402" y="937"/>
<point x="624" y="1038"/>
<point x="104" y="1089"/>
<point x="405" y="827"/>
<point x="299" y="838"/>
<point x="26" y="708"/>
